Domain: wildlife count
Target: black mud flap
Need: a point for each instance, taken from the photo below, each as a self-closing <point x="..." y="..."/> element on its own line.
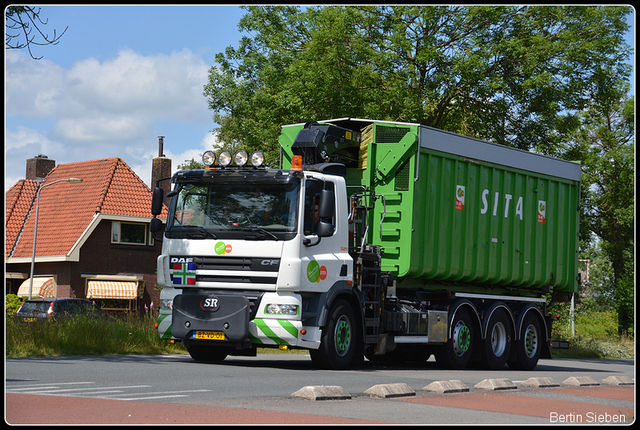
<point x="228" y="314"/>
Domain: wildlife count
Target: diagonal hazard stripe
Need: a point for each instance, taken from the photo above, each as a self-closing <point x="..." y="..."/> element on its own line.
<point x="290" y="328"/>
<point x="264" y="328"/>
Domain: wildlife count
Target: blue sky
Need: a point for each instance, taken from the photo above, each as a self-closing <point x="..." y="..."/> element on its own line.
<point x="119" y="77"/>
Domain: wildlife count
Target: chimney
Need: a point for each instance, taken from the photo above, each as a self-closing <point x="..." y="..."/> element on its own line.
<point x="161" y="169"/>
<point x="39" y="167"/>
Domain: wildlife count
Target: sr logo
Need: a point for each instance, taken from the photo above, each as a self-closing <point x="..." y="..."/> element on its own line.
<point x="210" y="304"/>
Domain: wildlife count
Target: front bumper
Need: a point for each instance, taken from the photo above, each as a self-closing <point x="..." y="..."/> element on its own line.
<point x="241" y="318"/>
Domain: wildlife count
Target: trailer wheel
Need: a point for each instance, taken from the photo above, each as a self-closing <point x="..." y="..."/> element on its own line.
<point x="206" y="353"/>
<point x="338" y="338"/>
<point x="529" y="346"/>
<point x="497" y="345"/>
<point x="456" y="353"/>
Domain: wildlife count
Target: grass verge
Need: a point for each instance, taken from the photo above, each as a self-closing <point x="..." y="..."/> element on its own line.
<point x="86" y="336"/>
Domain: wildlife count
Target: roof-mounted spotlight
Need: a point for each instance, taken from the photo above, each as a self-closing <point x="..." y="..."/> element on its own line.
<point x="257" y="159"/>
<point x="225" y="158"/>
<point x="209" y="158"/>
<point x="241" y="158"/>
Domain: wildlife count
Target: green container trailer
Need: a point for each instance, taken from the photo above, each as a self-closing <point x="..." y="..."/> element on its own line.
<point x="464" y="214"/>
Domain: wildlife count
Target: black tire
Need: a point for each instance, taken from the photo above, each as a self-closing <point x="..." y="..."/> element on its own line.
<point x="497" y="345"/>
<point x="528" y="347"/>
<point x="206" y="353"/>
<point x="339" y="337"/>
<point x="456" y="353"/>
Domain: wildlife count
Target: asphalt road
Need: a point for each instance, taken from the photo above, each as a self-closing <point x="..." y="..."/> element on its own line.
<point x="174" y="389"/>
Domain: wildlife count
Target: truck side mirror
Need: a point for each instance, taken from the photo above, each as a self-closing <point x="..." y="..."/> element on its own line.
<point x="327" y="204"/>
<point x="156" y="201"/>
<point x="326" y="208"/>
<point x="155" y="226"/>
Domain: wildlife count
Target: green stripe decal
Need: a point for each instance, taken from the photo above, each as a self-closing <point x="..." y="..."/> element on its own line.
<point x="293" y="331"/>
<point x="264" y="328"/>
<point x="167" y="334"/>
<point x="254" y="339"/>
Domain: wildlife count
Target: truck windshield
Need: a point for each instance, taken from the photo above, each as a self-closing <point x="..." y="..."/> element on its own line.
<point x="267" y="211"/>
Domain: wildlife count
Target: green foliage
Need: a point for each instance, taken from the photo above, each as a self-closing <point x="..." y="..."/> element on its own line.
<point x="12" y="304"/>
<point x="515" y="75"/>
<point x="596" y="335"/>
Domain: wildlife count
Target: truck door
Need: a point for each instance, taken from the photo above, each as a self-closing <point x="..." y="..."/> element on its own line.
<point x="322" y="258"/>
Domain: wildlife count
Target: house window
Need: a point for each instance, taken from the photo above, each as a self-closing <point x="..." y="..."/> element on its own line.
<point x="130" y="233"/>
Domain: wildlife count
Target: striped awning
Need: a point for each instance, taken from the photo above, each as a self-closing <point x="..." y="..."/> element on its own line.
<point x="112" y="290"/>
<point x="42" y="287"/>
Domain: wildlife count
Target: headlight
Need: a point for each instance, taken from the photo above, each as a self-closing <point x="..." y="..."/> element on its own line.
<point x="225" y="158"/>
<point x="281" y="309"/>
<point x="209" y="158"/>
<point x="241" y="158"/>
<point x="257" y="159"/>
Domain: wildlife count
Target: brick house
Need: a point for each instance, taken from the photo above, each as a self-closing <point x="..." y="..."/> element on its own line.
<point x="93" y="238"/>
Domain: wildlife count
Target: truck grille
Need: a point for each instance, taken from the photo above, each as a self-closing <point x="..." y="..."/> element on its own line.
<point x="225" y="270"/>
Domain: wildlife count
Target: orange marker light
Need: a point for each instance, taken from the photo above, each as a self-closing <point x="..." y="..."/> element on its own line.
<point x="296" y="162"/>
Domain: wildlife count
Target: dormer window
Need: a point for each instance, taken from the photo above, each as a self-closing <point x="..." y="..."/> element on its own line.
<point x="130" y="233"/>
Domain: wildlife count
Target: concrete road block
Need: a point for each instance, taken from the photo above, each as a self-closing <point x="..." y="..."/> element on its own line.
<point x="580" y="381"/>
<point x="540" y="382"/>
<point x="496" y="384"/>
<point x="618" y="380"/>
<point x="390" y="390"/>
<point x="322" y="392"/>
<point x="451" y="386"/>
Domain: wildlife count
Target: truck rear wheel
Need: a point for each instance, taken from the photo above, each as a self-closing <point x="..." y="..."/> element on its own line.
<point x="456" y="353"/>
<point x="529" y="346"/>
<point x="338" y="345"/>
<point x="497" y="345"/>
<point x="206" y="353"/>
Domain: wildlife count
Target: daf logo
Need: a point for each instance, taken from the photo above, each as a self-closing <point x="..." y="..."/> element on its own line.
<point x="181" y="260"/>
<point x="210" y="303"/>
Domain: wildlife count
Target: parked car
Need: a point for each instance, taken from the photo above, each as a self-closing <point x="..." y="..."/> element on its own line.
<point x="42" y="309"/>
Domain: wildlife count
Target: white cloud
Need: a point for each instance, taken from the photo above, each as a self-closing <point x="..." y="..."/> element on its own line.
<point x="113" y="108"/>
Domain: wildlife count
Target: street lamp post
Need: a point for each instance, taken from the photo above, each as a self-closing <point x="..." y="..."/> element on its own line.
<point x="35" y="225"/>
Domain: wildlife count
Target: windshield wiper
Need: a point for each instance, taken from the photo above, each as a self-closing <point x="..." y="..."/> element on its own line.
<point x="261" y="230"/>
<point x="200" y="230"/>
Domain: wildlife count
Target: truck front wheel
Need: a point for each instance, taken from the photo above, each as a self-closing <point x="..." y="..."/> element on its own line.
<point x="338" y="345"/>
<point x="456" y="353"/>
<point x="206" y="353"/>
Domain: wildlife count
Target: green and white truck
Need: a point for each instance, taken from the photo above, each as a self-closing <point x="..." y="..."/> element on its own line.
<point x="385" y="240"/>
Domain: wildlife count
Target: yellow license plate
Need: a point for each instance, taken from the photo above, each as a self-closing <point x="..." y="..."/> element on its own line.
<point x="209" y="335"/>
<point x="30" y="319"/>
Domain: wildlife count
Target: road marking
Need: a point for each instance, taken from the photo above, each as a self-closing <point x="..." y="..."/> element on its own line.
<point x="114" y="393"/>
<point x="163" y="392"/>
<point x="154" y="397"/>
<point x="45" y="386"/>
<point x="67" y="390"/>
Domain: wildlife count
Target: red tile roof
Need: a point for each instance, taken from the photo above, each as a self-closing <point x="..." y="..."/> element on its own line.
<point x="66" y="210"/>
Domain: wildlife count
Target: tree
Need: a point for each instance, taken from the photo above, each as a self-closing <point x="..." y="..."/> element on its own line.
<point x="605" y="144"/>
<point x="515" y="75"/>
<point x="23" y="29"/>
